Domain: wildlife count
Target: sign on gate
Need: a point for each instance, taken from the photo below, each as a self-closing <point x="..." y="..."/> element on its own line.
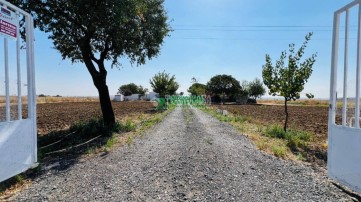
<point x="9" y="23"/>
<point x="344" y="135"/>
<point x="18" y="133"/>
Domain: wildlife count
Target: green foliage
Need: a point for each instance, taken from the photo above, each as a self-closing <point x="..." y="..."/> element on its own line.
<point x="164" y="84"/>
<point x="95" y="31"/>
<point x="245" y="89"/>
<point x="128" y="89"/>
<point x="127" y="126"/>
<point x="275" y="131"/>
<point x="131" y="88"/>
<point x="94" y="128"/>
<point x="110" y="142"/>
<point x="256" y="89"/>
<point x="295" y="139"/>
<point x="300" y="157"/>
<point x="224" y="85"/>
<point x="197" y="89"/>
<point x="288" y="81"/>
<point x="112" y="28"/>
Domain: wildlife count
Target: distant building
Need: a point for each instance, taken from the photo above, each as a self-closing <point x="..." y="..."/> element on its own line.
<point x="151" y="95"/>
<point x="132" y="97"/>
<point x="119" y="98"/>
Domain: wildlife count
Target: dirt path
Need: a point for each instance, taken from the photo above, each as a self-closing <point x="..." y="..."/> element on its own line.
<point x="188" y="157"/>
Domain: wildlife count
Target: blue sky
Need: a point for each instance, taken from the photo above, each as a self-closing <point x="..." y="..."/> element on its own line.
<point x="210" y="37"/>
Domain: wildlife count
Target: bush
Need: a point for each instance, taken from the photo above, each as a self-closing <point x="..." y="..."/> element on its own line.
<point x="127" y="126"/>
<point x="94" y="128"/>
<point x="275" y="131"/>
<point x="295" y="138"/>
<point x="279" y="151"/>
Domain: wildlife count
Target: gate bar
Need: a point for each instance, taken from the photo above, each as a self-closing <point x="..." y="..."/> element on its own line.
<point x="31" y="79"/>
<point x="344" y="107"/>
<point x="357" y="103"/>
<point x="18" y="72"/>
<point x="7" y="89"/>
<point x="333" y="82"/>
<point x="348" y="6"/>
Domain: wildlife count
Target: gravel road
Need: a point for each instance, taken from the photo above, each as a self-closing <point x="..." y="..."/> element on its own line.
<point x="190" y="156"/>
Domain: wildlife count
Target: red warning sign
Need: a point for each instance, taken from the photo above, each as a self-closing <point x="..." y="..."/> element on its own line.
<point x="8" y="23"/>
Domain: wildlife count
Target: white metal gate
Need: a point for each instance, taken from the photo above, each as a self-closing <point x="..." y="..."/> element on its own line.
<point x="344" y="132"/>
<point x="18" y="133"/>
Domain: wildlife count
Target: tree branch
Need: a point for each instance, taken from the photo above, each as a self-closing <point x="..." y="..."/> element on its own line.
<point x="104" y="53"/>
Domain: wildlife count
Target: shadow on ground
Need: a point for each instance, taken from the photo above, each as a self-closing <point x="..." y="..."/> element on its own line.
<point x="60" y="150"/>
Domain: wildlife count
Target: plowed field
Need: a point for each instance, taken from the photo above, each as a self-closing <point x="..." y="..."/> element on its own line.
<point x="58" y="116"/>
<point x="310" y="118"/>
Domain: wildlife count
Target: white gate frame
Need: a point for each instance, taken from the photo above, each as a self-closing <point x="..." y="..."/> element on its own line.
<point x="18" y="138"/>
<point x="344" y="141"/>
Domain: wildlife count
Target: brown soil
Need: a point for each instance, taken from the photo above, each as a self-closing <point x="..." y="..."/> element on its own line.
<point x="310" y="118"/>
<point x="58" y="116"/>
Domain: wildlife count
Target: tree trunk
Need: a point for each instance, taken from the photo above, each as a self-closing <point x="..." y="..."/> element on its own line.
<point x="99" y="79"/>
<point x="222" y="98"/>
<point x="286" y="121"/>
<point x="106" y="104"/>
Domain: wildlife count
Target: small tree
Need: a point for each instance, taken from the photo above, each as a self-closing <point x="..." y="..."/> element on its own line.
<point x="224" y="85"/>
<point x="288" y="81"/>
<point x="197" y="89"/>
<point x="256" y="89"/>
<point x="164" y="84"/>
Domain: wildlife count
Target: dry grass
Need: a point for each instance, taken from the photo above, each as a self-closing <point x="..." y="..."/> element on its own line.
<point x="255" y="131"/>
<point x="50" y="99"/>
<point x="306" y="102"/>
<point x="65" y="99"/>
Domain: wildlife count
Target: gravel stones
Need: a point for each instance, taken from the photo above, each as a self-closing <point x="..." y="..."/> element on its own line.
<point x="190" y="156"/>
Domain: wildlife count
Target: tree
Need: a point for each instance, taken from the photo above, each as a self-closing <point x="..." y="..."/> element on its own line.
<point x="164" y="84"/>
<point x="128" y="89"/>
<point x="93" y="32"/>
<point x="142" y="90"/>
<point x="224" y="85"/>
<point x="197" y="89"/>
<point x="256" y="89"/>
<point x="288" y="81"/>
<point x="131" y="88"/>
